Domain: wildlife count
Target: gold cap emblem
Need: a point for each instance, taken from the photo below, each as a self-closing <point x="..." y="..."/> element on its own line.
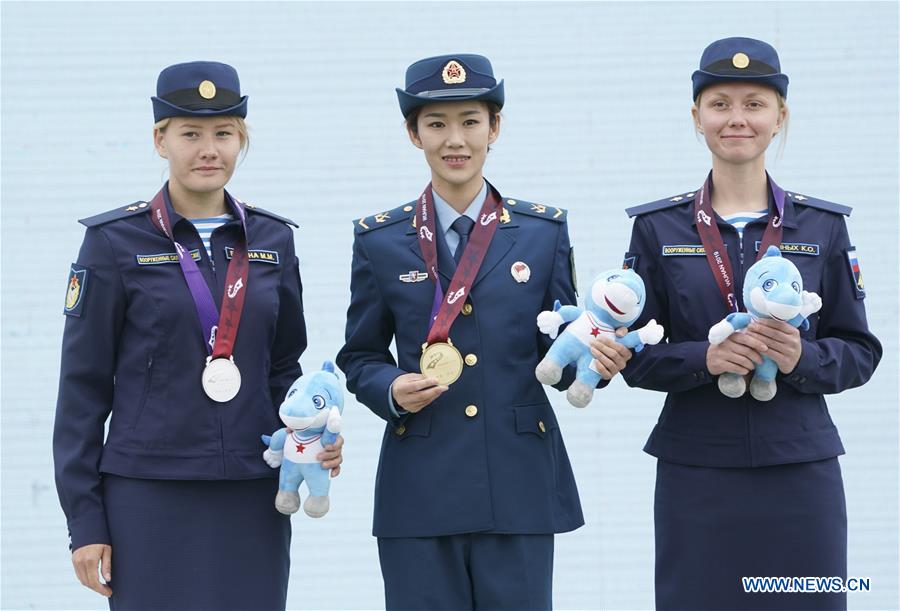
<point x="454" y="73"/>
<point x="740" y="60"/>
<point x="207" y="90"/>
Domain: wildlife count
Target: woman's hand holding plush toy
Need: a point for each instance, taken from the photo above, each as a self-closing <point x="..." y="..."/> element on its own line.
<point x="610" y="357"/>
<point x="782" y="339"/>
<point x="738" y="353"/>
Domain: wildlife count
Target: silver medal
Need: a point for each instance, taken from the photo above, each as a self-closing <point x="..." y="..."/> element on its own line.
<point x="221" y="379"/>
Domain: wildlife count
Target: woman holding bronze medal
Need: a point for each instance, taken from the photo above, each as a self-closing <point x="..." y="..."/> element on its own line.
<point x="473" y="479"/>
<point x="184" y="321"/>
<point x="748" y="485"/>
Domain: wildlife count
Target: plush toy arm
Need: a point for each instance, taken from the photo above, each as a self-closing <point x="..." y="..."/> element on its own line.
<point x="650" y="334"/>
<point x="811" y="304"/>
<point x="275" y="452"/>
<point x="720" y="331"/>
<point x="332" y="426"/>
<point x="568" y="313"/>
<point x="549" y="322"/>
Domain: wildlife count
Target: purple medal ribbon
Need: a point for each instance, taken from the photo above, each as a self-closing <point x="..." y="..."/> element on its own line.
<point x="202" y="296"/>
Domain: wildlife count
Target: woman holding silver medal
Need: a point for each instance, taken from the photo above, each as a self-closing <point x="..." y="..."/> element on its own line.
<point x="748" y="484"/>
<point x="184" y="321"/>
<point x="473" y="480"/>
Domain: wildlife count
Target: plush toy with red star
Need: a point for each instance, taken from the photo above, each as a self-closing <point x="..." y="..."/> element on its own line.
<point x="616" y="299"/>
<point x="311" y="412"/>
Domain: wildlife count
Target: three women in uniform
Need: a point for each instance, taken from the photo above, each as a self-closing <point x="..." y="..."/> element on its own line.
<point x="473" y="478"/>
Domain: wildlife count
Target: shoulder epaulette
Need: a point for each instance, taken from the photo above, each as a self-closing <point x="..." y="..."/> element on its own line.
<point x="383" y="219"/>
<point x="551" y="213"/>
<point x="115" y="214"/>
<point x="264" y="212"/>
<point x="821" y="204"/>
<point x="661" y="204"/>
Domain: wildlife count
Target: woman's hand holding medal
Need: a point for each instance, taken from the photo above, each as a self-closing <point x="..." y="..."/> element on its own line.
<point x="414" y="391"/>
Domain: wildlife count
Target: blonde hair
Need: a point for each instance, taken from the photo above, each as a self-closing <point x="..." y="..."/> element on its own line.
<point x="239" y="123"/>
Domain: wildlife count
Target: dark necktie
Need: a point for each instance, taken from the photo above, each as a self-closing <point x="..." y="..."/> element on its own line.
<point x="463" y="227"/>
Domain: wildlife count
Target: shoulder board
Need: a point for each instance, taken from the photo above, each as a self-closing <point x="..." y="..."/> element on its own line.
<point x="383" y="219"/>
<point x="821" y="204"/>
<point x="115" y="214"/>
<point x="264" y="212"/>
<point x="551" y="213"/>
<point x="662" y="204"/>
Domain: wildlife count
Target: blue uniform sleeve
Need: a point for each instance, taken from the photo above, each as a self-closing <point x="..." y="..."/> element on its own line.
<point x="845" y="353"/>
<point x="561" y="287"/>
<point x="290" y="333"/>
<point x="86" y="382"/>
<point x="667" y="366"/>
<point x="366" y="358"/>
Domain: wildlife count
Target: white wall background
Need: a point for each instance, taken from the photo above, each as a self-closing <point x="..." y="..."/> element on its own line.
<point x="597" y="119"/>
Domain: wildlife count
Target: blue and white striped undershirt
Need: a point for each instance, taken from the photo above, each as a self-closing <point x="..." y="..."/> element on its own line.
<point x="205" y="227"/>
<point x="739" y="220"/>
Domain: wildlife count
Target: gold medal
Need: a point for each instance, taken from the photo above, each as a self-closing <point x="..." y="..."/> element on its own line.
<point x="442" y="362"/>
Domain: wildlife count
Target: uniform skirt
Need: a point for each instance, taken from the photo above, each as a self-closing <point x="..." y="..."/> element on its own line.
<point x="716" y="525"/>
<point x="195" y="545"/>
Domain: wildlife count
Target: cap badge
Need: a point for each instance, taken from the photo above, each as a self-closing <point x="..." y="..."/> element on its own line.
<point x="207" y="90"/>
<point x="454" y="73"/>
<point x="740" y="60"/>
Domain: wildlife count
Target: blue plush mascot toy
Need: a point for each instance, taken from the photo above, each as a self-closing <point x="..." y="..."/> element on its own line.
<point x="311" y="412"/>
<point x="773" y="288"/>
<point x="616" y="300"/>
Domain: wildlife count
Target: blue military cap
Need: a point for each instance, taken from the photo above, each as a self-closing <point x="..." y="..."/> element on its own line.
<point x="449" y="78"/>
<point x="740" y="59"/>
<point x="198" y="89"/>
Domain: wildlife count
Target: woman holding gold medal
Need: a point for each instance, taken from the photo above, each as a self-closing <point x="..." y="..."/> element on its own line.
<point x="176" y="506"/>
<point x="473" y="479"/>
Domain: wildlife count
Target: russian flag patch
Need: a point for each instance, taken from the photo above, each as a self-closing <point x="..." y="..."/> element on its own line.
<point x="856" y="273"/>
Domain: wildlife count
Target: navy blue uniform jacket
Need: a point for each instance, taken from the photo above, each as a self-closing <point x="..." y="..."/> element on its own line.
<point x="441" y="471"/>
<point x="133" y="346"/>
<point x="699" y="425"/>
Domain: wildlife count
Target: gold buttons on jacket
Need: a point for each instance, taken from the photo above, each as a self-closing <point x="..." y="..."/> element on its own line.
<point x="467" y="309"/>
<point x="541" y="426"/>
<point x="400" y="429"/>
<point x="471" y="359"/>
<point x="471" y="411"/>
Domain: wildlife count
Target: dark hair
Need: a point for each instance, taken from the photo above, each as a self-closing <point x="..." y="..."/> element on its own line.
<point x="412" y="119"/>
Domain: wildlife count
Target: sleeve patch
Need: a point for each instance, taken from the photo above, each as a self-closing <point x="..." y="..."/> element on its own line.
<point x="630" y="261"/>
<point x="856" y="273"/>
<point x="75" y="289"/>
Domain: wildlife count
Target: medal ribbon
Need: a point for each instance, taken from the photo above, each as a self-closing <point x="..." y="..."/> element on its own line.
<point x="445" y="310"/>
<point x="716" y="256"/>
<point x="219" y="343"/>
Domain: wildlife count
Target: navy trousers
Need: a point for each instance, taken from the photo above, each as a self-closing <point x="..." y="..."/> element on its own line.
<point x="471" y="571"/>
<point x="196" y="545"/>
<point x="714" y="526"/>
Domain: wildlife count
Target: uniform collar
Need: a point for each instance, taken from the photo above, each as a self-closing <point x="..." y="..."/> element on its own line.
<point x="788" y="221"/>
<point x="446" y="215"/>
<point x="230" y="202"/>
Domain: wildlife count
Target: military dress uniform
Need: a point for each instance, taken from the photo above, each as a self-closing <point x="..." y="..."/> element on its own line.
<point x="470" y="489"/>
<point x="747" y="488"/>
<point x="178" y="488"/>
